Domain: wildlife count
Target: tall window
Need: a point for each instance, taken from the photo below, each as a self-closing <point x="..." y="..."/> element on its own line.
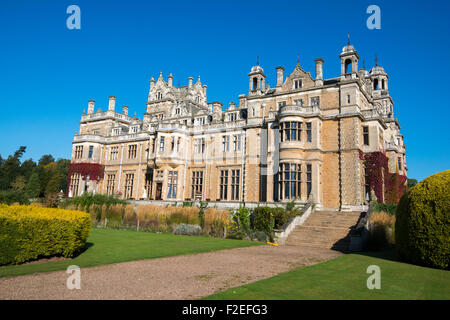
<point x="289" y="179"/>
<point x="308" y="132"/>
<point x="237" y="142"/>
<point x="129" y="180"/>
<point x="114" y="155"/>
<point x="290" y="131"/>
<point x="161" y="144"/>
<point x="235" y="174"/>
<point x="148" y="187"/>
<point x="299" y="102"/>
<point x="297" y="84"/>
<point x="153" y="145"/>
<point x="173" y="178"/>
<point x="315" y="101"/>
<point x="366" y="183"/>
<point x="91" y="151"/>
<point x="199" y="145"/>
<point x="132" y="149"/>
<point x="366" y="135"/>
<point x="110" y="183"/>
<point x="308" y="179"/>
<point x="78" y="152"/>
<point x="225" y="143"/>
<point x="74" y="183"/>
<point x="348" y="99"/>
<point x="197" y="183"/>
<point x="399" y="162"/>
<point x="281" y="104"/>
<point x="223" y="184"/>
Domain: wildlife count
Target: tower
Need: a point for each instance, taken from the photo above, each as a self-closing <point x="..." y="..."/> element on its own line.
<point x="349" y="62"/>
<point x="257" y="80"/>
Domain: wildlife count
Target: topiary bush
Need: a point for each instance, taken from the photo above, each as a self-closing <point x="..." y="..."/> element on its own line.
<point x="30" y="232"/>
<point x="422" y="228"/>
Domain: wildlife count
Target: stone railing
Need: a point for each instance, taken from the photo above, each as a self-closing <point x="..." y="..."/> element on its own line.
<point x="370" y="114"/>
<point x="299" y="109"/>
<point x="105" y="114"/>
<point x="282" y="234"/>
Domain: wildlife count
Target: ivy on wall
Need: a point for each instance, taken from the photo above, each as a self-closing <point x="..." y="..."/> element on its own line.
<point x="94" y="170"/>
<point x="388" y="187"/>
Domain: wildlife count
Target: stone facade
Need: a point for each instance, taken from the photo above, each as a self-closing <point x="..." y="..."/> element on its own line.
<point x="299" y="140"/>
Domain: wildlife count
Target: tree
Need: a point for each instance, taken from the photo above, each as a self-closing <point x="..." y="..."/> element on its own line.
<point x="46" y="159"/>
<point x="411" y="183"/>
<point x="33" y="187"/>
<point x="19" y="183"/>
<point x="53" y="185"/>
<point x="10" y="168"/>
<point x="26" y="168"/>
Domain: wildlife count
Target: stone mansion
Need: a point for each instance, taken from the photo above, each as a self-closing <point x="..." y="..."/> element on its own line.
<point x="299" y="140"/>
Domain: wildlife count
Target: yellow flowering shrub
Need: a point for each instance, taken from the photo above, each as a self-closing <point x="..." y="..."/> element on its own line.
<point x="30" y="232"/>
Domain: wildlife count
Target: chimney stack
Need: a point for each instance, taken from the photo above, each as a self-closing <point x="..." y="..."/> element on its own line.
<point x="204" y="89"/>
<point x="319" y="72"/>
<point x="91" y="104"/>
<point x="279" y="76"/>
<point x="125" y="110"/>
<point x="170" y="80"/>
<point x="190" y="81"/>
<point x="112" y="103"/>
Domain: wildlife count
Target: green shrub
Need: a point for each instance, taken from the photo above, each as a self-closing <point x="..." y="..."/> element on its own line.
<point x="29" y="232"/>
<point x="422" y="228"/>
<point x="87" y="199"/>
<point x="263" y="220"/>
<point x="386" y="207"/>
<point x="13" y="196"/>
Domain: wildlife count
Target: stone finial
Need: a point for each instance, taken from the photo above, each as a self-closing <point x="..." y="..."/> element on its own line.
<point x="280" y="78"/>
<point x="91" y="104"/>
<point x="190" y="81"/>
<point x="170" y="80"/>
<point x="125" y="110"/>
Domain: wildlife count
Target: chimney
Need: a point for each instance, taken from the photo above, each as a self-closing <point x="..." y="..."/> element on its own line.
<point x="170" y="80"/>
<point x="112" y="103"/>
<point x="279" y="76"/>
<point x="319" y="72"/>
<point x="125" y="110"/>
<point x="190" y="81"/>
<point x="204" y="89"/>
<point x="232" y="104"/>
<point x="91" y="104"/>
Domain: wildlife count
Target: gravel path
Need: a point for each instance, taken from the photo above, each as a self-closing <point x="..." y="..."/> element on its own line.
<point x="181" y="277"/>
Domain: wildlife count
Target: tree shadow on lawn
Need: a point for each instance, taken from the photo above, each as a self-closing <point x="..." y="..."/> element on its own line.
<point x="388" y="253"/>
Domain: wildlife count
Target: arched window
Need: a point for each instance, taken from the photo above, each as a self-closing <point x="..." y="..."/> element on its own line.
<point x="255" y="84"/>
<point x="348" y="66"/>
<point x="375" y="84"/>
<point x="382" y="84"/>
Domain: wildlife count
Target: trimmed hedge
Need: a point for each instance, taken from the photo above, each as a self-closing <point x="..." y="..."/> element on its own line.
<point x="28" y="232"/>
<point x="422" y="228"/>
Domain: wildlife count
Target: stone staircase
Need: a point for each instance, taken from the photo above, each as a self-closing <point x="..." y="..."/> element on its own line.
<point x="325" y="229"/>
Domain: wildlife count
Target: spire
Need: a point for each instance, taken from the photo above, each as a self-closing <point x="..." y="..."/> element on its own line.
<point x="376" y="59"/>
<point x="298" y="60"/>
<point x="348" y="36"/>
<point x="257" y="60"/>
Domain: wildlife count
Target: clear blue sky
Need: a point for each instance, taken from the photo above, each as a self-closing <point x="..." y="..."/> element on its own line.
<point x="48" y="72"/>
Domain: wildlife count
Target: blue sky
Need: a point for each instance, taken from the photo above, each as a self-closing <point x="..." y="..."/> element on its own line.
<point x="48" y="72"/>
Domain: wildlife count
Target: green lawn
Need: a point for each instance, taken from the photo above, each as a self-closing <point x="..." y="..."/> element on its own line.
<point x="345" y="278"/>
<point x="111" y="246"/>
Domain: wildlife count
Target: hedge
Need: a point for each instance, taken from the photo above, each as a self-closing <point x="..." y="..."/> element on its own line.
<point x="28" y="232"/>
<point x="422" y="225"/>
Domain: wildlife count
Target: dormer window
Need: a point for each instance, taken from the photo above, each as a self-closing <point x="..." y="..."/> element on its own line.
<point x="158" y="95"/>
<point x="117" y="131"/>
<point x="297" y="84"/>
<point x="134" y="129"/>
<point x="232" y="116"/>
<point x="201" y="121"/>
<point x="177" y="111"/>
<point x="197" y="99"/>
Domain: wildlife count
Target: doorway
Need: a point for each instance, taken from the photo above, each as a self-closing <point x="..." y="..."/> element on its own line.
<point x="158" y="191"/>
